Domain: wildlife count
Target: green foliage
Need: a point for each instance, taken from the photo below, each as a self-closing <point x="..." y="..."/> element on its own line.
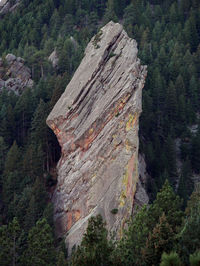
<point x="97" y="38"/>
<point x="152" y="231"/>
<point x="12" y="159"/>
<point x="128" y="250"/>
<point x="114" y="211"/>
<point x="186" y="185"/>
<point x="160" y="240"/>
<point x="9" y="243"/>
<point x="189" y="236"/>
<point x="40" y="249"/>
<point x="110" y="12"/>
<point x="195" y="259"/>
<point x="95" y="249"/>
<point x="61" y="261"/>
<point x="171" y="259"/>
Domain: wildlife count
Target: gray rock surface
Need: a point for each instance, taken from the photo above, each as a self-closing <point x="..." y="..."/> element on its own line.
<point x="96" y="121"/>
<point x="53" y="58"/>
<point x="141" y="196"/>
<point x="14" y="75"/>
<point x="3" y="2"/>
<point x="8" y="6"/>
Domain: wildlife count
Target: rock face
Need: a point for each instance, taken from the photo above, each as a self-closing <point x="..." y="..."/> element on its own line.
<point x="14" y="75"/>
<point x="53" y="58"/>
<point x="8" y="6"/>
<point x="96" y="123"/>
<point x="141" y="197"/>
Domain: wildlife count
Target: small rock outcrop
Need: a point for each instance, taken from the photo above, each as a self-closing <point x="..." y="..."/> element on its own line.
<point x="8" y="6"/>
<point x="14" y="75"/>
<point x="96" y="121"/>
<point x="53" y="58"/>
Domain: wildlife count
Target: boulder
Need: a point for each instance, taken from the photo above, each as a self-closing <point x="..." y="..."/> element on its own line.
<point x="53" y="58"/>
<point x="15" y="76"/>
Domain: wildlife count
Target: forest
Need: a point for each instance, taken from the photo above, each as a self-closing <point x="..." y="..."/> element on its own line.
<point x="168" y="36"/>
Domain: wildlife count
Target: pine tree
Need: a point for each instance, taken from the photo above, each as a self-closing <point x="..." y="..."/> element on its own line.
<point x="160" y="240"/>
<point x="169" y="203"/>
<point x="171" y="259"/>
<point x="195" y="152"/>
<point x="110" y="12"/>
<point x="61" y="261"/>
<point x="40" y="249"/>
<point x="11" y="179"/>
<point x="195" y="259"/>
<point x="189" y="236"/>
<point x="95" y="248"/>
<point x="171" y="159"/>
<point x="186" y="184"/>
<point x="12" y="159"/>
<point x="171" y="102"/>
<point x="9" y="236"/>
<point x="39" y="133"/>
<point x="128" y="250"/>
<point x="3" y="149"/>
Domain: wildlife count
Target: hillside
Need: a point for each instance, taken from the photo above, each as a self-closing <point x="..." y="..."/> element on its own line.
<point x="168" y="37"/>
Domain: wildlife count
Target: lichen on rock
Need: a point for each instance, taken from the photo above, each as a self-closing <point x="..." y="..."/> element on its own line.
<point x="98" y="134"/>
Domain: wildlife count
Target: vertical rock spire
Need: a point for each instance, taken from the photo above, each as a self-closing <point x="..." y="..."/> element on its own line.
<point x="96" y="123"/>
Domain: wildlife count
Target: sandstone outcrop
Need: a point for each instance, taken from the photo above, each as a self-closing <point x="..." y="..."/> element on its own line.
<point x="14" y="75"/>
<point x="96" y="123"/>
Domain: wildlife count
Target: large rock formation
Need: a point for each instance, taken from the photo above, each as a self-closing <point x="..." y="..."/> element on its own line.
<point x="96" y="123"/>
<point x="14" y="75"/>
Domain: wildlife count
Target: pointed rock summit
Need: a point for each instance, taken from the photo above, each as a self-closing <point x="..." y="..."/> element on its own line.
<point x="96" y="122"/>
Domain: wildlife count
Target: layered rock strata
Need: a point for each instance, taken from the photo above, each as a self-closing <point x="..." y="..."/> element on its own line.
<point x="96" y="123"/>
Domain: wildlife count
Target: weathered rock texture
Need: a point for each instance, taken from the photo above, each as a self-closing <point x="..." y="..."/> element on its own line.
<point x="8" y="6"/>
<point x="141" y="197"/>
<point x="53" y="58"/>
<point x="14" y="75"/>
<point x="96" y="123"/>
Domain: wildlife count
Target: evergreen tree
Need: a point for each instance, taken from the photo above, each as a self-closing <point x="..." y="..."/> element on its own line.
<point x="95" y="248"/>
<point x="169" y="203"/>
<point x="110" y="12"/>
<point x="9" y="244"/>
<point x="171" y="259"/>
<point x="12" y="162"/>
<point x="195" y="152"/>
<point x="189" y="236"/>
<point x="61" y="261"/>
<point x="40" y="249"/>
<point x="195" y="259"/>
<point x="171" y="159"/>
<point x="160" y="240"/>
<point x="128" y="250"/>
<point x="186" y="185"/>
<point x="3" y="149"/>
